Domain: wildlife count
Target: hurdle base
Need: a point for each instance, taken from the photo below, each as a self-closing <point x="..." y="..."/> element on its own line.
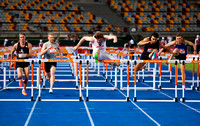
<point x="192" y="87"/>
<point x="14" y="79"/>
<point x="32" y="99"/>
<point x="127" y="99"/>
<point x="197" y="88"/>
<point x="170" y="80"/>
<point x="134" y="99"/>
<point x="142" y="80"/>
<point x="87" y="99"/>
<point x="182" y="99"/>
<point x="176" y="99"/>
<point x="80" y="99"/>
<point x="159" y="87"/>
<point x="9" y="79"/>
<point x="39" y="98"/>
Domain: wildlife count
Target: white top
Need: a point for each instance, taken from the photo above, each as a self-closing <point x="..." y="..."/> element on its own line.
<point x="5" y="40"/>
<point x="101" y="47"/>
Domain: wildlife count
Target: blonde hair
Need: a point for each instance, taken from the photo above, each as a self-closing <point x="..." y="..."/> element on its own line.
<point x="51" y="33"/>
<point x="22" y="34"/>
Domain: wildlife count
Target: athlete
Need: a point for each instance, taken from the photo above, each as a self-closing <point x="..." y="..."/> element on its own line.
<point x="49" y="51"/>
<point x="24" y="51"/>
<point x="151" y="47"/>
<point x="99" y="46"/>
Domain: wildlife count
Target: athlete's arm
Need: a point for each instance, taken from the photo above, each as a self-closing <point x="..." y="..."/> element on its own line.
<point x="166" y="46"/>
<point x="59" y="52"/>
<point x="30" y="50"/>
<point x="191" y="44"/>
<point x="13" y="50"/>
<point x="111" y="37"/>
<point x="144" y="41"/>
<point x="85" y="38"/>
<point x="44" y="49"/>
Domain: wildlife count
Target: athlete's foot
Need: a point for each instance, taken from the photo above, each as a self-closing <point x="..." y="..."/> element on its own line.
<point x="154" y="56"/>
<point x="24" y="92"/>
<point x="20" y="82"/>
<point x="51" y="91"/>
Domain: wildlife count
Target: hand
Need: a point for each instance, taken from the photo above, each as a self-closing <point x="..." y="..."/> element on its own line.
<point x="50" y="47"/>
<point x="195" y="52"/>
<point x="75" y="48"/>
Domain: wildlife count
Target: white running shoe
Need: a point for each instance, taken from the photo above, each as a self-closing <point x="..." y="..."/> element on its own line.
<point x="51" y="91"/>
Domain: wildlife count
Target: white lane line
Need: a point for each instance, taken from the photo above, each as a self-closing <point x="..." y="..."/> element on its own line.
<point x="30" y="114"/>
<point x="138" y="107"/>
<point x="88" y="112"/>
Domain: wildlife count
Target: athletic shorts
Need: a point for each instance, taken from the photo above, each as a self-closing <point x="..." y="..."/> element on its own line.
<point x="181" y="57"/>
<point x="198" y="49"/>
<point x="105" y="56"/>
<point x="22" y="64"/>
<point x="48" y="66"/>
<point x="145" y="56"/>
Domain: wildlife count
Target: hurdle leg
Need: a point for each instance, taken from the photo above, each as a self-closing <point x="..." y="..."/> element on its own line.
<point x="121" y="79"/>
<point x="4" y="78"/>
<point x="83" y="82"/>
<point x="198" y="75"/>
<point x="115" y="77"/>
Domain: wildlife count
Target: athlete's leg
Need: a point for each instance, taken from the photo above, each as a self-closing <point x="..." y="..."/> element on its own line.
<point x="140" y="66"/>
<point x="52" y="79"/>
<point x="96" y="53"/>
<point x="20" y="75"/>
<point x="175" y="53"/>
<point x="26" y="73"/>
<point x="153" y="53"/>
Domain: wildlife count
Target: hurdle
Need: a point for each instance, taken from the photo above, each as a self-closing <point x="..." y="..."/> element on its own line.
<point x="135" y="87"/>
<point x="87" y="83"/>
<point x="60" y="60"/>
<point x="183" y="99"/>
<point x="186" y="81"/>
<point x="98" y="75"/>
<point x="4" y="80"/>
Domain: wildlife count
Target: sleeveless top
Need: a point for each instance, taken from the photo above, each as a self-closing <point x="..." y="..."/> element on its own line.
<point x="182" y="48"/>
<point x="51" y="53"/>
<point x="96" y="45"/>
<point x="148" y="48"/>
<point x="22" y="51"/>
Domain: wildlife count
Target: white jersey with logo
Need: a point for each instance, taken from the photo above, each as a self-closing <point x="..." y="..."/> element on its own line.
<point x="102" y="47"/>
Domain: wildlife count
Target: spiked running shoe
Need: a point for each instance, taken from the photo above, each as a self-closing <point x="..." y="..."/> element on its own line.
<point x="24" y="93"/>
<point x="155" y="54"/>
<point x="20" y="82"/>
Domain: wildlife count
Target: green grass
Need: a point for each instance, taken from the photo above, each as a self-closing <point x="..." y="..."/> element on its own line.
<point x="188" y="66"/>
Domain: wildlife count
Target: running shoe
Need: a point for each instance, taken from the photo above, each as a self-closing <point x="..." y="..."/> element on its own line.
<point x="20" y="82"/>
<point x="155" y="54"/>
<point x="50" y="91"/>
<point x="96" y="57"/>
<point x="24" y="92"/>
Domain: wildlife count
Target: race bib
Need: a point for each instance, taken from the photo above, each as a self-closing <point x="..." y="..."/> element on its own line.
<point x="22" y="55"/>
<point x="181" y="51"/>
<point x="149" y="50"/>
<point x="53" y="50"/>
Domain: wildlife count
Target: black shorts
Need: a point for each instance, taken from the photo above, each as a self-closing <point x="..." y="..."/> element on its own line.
<point x="145" y="56"/>
<point x="181" y="57"/>
<point x="198" y="49"/>
<point x="48" y="66"/>
<point x="22" y="64"/>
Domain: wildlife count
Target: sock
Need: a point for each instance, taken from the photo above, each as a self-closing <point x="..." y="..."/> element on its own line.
<point x="96" y="57"/>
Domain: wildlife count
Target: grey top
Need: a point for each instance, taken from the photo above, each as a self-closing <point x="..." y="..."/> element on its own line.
<point x="51" y="53"/>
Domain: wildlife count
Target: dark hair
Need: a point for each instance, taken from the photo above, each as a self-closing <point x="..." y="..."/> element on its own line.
<point x="178" y="34"/>
<point x="155" y="35"/>
<point x="98" y="35"/>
